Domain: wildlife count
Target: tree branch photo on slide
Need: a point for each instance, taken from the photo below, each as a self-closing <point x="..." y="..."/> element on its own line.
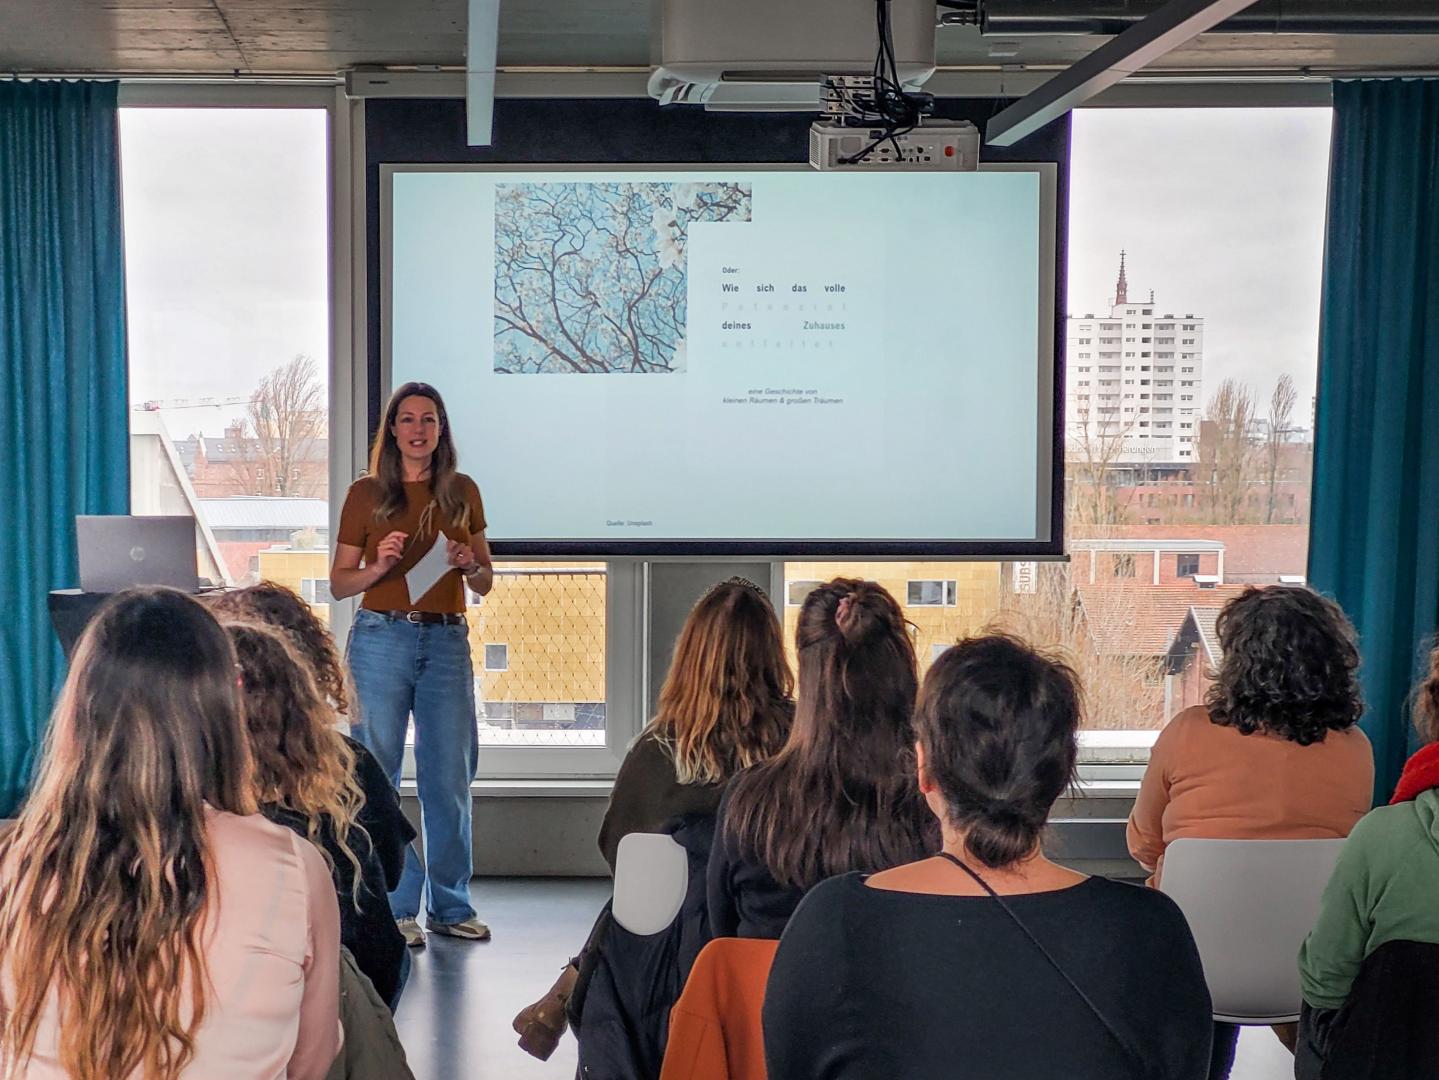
<point x="590" y="278"/>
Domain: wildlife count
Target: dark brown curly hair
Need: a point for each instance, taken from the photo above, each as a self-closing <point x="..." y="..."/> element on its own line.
<point x="275" y="605"/>
<point x="1290" y="666"/>
<point x="1426" y="700"/>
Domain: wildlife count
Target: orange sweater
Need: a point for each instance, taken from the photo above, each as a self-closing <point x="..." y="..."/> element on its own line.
<point x="715" y="1029"/>
<point x="1209" y="781"/>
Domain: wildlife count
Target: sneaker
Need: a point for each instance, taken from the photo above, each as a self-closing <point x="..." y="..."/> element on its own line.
<point x="411" y="932"/>
<point x="470" y="929"/>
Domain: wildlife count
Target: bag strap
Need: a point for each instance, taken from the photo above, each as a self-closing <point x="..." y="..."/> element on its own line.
<point x="1119" y="1039"/>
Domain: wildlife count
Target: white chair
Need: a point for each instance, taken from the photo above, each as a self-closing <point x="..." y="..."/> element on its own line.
<point x="652" y="876"/>
<point x="1250" y="905"/>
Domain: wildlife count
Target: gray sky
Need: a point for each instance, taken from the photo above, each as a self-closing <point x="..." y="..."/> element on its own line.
<point x="1220" y="210"/>
<point x="225" y="251"/>
<point x="1222" y="214"/>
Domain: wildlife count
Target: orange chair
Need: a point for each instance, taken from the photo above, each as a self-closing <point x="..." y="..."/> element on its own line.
<point x="715" y="1029"/>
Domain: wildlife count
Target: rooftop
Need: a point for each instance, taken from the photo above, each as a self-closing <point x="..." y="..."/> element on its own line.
<point x="265" y="512"/>
<point x="1131" y="619"/>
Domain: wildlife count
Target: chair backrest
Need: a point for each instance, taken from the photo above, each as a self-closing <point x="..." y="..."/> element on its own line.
<point x="1250" y="905"/>
<point x="724" y="993"/>
<point x="651" y="879"/>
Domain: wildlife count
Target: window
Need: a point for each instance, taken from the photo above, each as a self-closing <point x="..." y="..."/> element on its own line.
<point x="796" y="592"/>
<point x="939" y="593"/>
<point x="1193" y="204"/>
<point x="251" y="418"/>
<point x="544" y="687"/>
<point x="316" y="590"/>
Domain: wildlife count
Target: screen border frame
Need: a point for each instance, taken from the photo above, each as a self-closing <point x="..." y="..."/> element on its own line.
<point x="1050" y="485"/>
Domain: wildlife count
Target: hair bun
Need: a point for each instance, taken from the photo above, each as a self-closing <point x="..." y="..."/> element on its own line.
<point x="1001" y="833"/>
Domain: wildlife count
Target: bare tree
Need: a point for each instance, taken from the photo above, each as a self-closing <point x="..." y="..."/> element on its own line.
<point x="1226" y="452"/>
<point x="283" y="421"/>
<point x="1094" y="447"/>
<point x="1121" y="691"/>
<point x="1281" y="408"/>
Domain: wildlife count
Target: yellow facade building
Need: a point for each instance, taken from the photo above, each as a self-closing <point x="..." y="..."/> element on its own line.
<point x="538" y="639"/>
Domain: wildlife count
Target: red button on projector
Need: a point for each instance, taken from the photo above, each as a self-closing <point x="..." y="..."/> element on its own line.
<point x="949" y="151"/>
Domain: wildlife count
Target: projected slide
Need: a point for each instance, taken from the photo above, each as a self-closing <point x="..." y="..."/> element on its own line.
<point x="783" y="360"/>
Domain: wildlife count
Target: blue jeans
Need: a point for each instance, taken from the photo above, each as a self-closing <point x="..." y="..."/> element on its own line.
<point x="402" y="668"/>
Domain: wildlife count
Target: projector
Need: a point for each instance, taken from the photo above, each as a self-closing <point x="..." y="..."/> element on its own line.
<point x="938" y="145"/>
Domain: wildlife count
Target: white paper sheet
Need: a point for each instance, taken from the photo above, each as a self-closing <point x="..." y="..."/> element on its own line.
<point x="425" y="573"/>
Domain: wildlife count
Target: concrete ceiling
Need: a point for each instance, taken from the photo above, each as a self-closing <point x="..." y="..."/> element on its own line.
<point x="321" y="37"/>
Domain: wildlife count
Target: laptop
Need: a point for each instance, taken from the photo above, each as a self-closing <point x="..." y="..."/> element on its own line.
<point x="118" y="552"/>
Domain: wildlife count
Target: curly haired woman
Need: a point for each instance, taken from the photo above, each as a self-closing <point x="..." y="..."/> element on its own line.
<point x="1275" y="752"/>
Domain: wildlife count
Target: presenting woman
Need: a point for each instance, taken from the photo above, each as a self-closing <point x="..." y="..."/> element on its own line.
<point x="409" y="649"/>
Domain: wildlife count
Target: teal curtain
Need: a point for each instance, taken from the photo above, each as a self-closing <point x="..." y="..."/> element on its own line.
<point x="1374" y="541"/>
<point x="64" y="442"/>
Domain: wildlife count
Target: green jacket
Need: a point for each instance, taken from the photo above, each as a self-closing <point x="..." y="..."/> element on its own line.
<point x="1385" y="888"/>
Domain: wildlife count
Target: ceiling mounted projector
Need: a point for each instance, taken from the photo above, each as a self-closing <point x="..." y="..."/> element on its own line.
<point x="763" y="56"/>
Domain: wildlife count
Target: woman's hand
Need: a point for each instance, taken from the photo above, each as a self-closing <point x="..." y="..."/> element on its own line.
<point x="461" y="557"/>
<point x="391" y="551"/>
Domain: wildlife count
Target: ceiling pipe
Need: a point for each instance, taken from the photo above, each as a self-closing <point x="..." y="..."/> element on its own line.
<point x="1112" y="17"/>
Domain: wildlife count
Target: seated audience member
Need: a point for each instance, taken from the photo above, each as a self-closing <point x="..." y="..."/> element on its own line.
<point x="841" y="795"/>
<point x="307" y="778"/>
<point x="380" y="816"/>
<point x="988" y="961"/>
<point x="152" y="924"/>
<point x="1274" y="753"/>
<point x="273" y="604"/>
<point x="1382" y="893"/>
<point x="725" y="705"/>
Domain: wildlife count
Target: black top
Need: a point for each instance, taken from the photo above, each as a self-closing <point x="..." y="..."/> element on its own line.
<point x="872" y="983"/>
<point x="370" y="932"/>
<point x="744" y="899"/>
<point x="646" y="796"/>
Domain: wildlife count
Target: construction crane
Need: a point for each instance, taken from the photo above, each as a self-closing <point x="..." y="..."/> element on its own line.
<point x="189" y="403"/>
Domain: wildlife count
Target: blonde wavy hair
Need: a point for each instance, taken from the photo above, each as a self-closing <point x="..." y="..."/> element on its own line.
<point x="725" y="704"/>
<point x="302" y="763"/>
<point x="108" y="876"/>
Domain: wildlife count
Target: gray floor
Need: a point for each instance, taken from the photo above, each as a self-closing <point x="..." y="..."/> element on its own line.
<point x="455" y="1015"/>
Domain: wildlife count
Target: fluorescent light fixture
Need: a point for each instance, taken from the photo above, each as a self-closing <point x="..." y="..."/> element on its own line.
<point x="480" y="62"/>
<point x="1173" y="25"/>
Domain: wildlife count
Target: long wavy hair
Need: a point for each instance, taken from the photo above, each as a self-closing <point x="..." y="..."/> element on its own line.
<point x="725" y="704"/>
<point x="302" y="763"/>
<point x="841" y="795"/>
<point x="1290" y="666"/>
<point x="108" y="872"/>
<point x="387" y="468"/>
<point x="274" y="605"/>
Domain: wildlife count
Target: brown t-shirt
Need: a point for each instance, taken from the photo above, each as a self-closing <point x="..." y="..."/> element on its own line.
<point x="358" y="528"/>
<point x="1211" y="782"/>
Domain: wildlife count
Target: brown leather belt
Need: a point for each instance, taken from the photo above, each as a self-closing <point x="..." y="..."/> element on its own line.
<point x="437" y="618"/>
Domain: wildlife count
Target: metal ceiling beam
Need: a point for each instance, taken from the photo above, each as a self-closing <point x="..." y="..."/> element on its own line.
<point x="481" y="59"/>
<point x="1175" y="24"/>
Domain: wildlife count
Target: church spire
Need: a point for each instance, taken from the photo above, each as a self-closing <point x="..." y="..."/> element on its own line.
<point x="1121" y="290"/>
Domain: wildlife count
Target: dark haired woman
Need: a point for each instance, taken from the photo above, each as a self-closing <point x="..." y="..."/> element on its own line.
<point x="1274" y="754"/>
<point x="410" y="655"/>
<point x="1381" y="895"/>
<point x="840" y="796"/>
<point x="988" y="960"/>
<point x="152" y="923"/>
